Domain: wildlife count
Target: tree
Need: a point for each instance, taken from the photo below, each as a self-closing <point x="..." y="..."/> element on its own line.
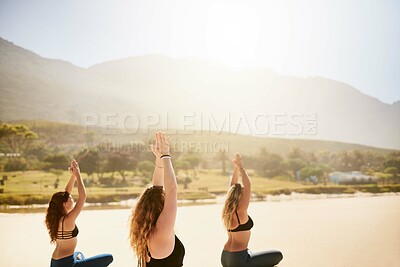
<point x="120" y="163"/>
<point x="38" y="150"/>
<point x="17" y="136"/>
<point x="185" y="181"/>
<point x="56" y="172"/>
<point x="318" y="171"/>
<point x="295" y="164"/>
<point x="222" y="156"/>
<point x="58" y="162"/>
<point x="270" y="164"/>
<point x="183" y="165"/>
<point x="145" y="167"/>
<point x="15" y="164"/>
<point x="324" y="156"/>
<point x="194" y="161"/>
<point x="357" y="160"/>
<point x="393" y="160"/>
<point x="296" y="153"/>
<point x="307" y="173"/>
<point x="392" y="170"/>
<point x="326" y="169"/>
<point x="89" y="161"/>
<point x="344" y="161"/>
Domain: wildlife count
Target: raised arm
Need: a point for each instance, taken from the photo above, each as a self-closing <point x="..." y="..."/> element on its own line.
<point x="73" y="214"/>
<point x="71" y="182"/>
<point x="158" y="174"/>
<point x="235" y="175"/>
<point x="166" y="221"/>
<point x="245" y="199"/>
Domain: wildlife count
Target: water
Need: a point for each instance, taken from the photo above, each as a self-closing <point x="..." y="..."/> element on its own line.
<point x="343" y="232"/>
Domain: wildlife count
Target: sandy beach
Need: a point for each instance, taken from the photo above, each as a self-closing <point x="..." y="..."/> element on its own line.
<point x="339" y="232"/>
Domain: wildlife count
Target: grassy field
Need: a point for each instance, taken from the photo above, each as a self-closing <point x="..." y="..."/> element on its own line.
<point x="36" y="187"/>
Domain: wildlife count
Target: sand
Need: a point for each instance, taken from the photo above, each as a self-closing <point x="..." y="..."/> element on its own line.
<point x="339" y="232"/>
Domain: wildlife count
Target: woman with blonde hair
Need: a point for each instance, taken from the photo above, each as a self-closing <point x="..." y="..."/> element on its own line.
<point x="152" y="225"/>
<point x="238" y="224"/>
<point x="60" y="222"/>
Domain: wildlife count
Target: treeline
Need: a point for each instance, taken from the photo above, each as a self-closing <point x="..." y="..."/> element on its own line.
<point x="24" y="149"/>
<point x="300" y="165"/>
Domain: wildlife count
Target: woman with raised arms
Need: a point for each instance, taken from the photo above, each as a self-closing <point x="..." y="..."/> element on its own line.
<point x="152" y="235"/>
<point x="238" y="224"/>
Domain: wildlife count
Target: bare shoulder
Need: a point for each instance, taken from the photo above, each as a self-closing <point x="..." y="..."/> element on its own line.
<point x="69" y="221"/>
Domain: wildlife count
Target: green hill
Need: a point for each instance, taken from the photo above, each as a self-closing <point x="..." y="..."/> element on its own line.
<point x="72" y="137"/>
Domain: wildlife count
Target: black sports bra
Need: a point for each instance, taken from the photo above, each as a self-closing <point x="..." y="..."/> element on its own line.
<point x="67" y="234"/>
<point x="242" y="227"/>
<point x="175" y="259"/>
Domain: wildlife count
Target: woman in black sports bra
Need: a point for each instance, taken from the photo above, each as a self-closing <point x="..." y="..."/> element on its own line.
<point x="238" y="223"/>
<point x="152" y="225"/>
<point x="60" y="221"/>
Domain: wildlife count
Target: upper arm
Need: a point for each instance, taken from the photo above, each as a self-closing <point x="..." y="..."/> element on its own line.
<point x="235" y="177"/>
<point x="244" y="201"/>
<point x="166" y="221"/>
<point x="73" y="214"/>
<point x="70" y="184"/>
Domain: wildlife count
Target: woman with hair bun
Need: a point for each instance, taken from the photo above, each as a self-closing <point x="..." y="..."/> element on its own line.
<point x="238" y="224"/>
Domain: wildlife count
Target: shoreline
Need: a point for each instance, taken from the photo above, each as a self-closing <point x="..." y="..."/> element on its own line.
<point x="219" y="199"/>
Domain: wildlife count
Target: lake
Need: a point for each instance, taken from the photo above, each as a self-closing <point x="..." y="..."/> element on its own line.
<point x="339" y="232"/>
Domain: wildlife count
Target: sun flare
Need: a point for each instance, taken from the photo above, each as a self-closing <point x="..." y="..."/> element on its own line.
<point x="232" y="33"/>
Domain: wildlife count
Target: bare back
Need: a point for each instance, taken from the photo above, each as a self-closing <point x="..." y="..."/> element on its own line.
<point x="238" y="241"/>
<point x="65" y="247"/>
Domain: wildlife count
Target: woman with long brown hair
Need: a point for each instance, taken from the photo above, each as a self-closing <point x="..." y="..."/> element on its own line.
<point x="60" y="221"/>
<point x="238" y="224"/>
<point x="152" y="235"/>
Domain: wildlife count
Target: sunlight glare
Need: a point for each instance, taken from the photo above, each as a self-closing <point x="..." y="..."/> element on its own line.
<point x="231" y="33"/>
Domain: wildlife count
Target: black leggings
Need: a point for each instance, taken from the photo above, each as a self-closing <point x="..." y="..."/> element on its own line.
<point x="100" y="260"/>
<point x="245" y="258"/>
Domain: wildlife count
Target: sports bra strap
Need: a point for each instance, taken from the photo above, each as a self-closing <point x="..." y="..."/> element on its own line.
<point x="62" y="227"/>
<point x="237" y="216"/>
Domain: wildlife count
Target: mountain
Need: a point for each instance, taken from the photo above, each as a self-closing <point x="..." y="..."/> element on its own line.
<point x="33" y="87"/>
<point x="158" y="91"/>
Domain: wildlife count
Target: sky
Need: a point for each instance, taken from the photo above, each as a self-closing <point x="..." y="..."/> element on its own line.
<point x="353" y="41"/>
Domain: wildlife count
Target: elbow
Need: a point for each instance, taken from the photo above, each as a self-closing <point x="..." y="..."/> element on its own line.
<point x="248" y="186"/>
<point x="83" y="195"/>
<point x="173" y="189"/>
<point x="82" y="198"/>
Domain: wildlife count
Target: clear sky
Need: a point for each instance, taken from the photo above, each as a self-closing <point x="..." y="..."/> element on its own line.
<point x="353" y="41"/>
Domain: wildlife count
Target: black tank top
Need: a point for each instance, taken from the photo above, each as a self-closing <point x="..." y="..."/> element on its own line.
<point x="175" y="259"/>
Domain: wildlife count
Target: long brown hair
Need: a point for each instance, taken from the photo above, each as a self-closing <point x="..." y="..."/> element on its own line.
<point x="231" y="204"/>
<point x="143" y="221"/>
<point x="54" y="213"/>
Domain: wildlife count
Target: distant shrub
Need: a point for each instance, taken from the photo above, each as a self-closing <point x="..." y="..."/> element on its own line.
<point x="349" y="191"/>
<point x="15" y="164"/>
<point x="283" y="178"/>
<point x="107" y="181"/>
